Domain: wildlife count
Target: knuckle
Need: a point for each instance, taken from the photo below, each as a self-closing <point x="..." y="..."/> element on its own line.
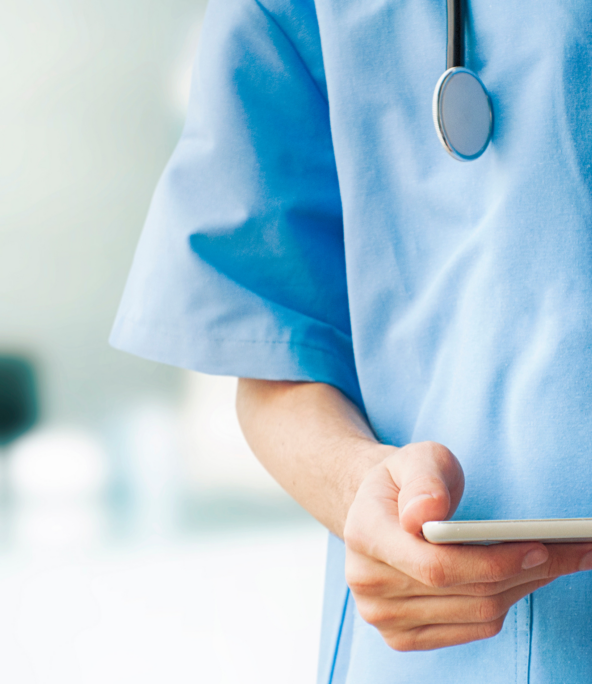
<point x="375" y="613"/>
<point x="489" y="609"/>
<point x="366" y="611"/>
<point x="353" y="535"/>
<point x="483" y="588"/>
<point x="402" y="642"/>
<point x="365" y="586"/>
<point x="356" y="582"/>
<point x="495" y="569"/>
<point x="491" y="629"/>
<point x="431" y="572"/>
<point x="362" y="582"/>
<point x="437" y="451"/>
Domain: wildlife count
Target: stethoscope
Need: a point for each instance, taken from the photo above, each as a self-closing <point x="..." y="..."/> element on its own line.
<point x="462" y="110"/>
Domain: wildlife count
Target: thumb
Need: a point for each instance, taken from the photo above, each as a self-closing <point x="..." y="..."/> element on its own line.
<point x="430" y="481"/>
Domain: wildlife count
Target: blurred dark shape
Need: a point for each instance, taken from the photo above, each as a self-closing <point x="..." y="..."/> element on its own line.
<point x="18" y="397"/>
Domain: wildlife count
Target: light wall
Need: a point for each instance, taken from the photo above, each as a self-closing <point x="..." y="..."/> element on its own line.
<point x="92" y="100"/>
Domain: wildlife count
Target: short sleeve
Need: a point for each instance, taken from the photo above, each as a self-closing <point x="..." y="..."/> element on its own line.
<point x="240" y="269"/>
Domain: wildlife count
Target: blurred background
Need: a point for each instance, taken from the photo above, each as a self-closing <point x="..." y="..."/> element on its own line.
<point x="138" y="535"/>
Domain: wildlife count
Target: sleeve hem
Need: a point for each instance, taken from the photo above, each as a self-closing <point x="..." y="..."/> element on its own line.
<point x="249" y="358"/>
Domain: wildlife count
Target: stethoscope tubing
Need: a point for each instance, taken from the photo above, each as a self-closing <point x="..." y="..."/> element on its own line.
<point x="455" y="47"/>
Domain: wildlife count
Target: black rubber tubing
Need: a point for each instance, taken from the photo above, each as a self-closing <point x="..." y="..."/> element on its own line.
<point x="455" y="49"/>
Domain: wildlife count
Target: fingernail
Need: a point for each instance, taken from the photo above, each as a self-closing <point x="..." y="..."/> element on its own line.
<point x="586" y="562"/>
<point x="415" y="499"/>
<point x="534" y="558"/>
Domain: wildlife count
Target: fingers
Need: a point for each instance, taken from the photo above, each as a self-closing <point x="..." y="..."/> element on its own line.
<point x="372" y="527"/>
<point x="563" y="559"/>
<point x="372" y="530"/>
<point x="452" y="620"/>
<point x="368" y="577"/>
<point x="478" y="570"/>
<point x="409" y="613"/>
<point x="441" y="566"/>
<point x="429" y="637"/>
<point x="456" y="565"/>
<point x="430" y="481"/>
<point x="425" y="623"/>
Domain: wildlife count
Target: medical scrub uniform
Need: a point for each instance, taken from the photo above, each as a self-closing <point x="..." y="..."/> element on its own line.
<point x="310" y="226"/>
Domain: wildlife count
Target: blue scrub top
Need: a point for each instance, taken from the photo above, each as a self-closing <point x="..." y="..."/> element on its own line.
<point x="309" y="226"/>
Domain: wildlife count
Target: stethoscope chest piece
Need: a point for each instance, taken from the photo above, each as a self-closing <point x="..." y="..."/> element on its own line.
<point x="463" y="115"/>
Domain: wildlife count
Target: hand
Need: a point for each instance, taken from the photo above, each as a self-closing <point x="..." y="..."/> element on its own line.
<point x="422" y="596"/>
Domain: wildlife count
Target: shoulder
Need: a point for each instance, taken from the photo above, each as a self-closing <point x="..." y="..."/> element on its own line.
<point x="290" y="25"/>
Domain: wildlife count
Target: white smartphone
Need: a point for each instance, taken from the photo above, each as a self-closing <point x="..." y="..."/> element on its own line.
<point x="552" y="530"/>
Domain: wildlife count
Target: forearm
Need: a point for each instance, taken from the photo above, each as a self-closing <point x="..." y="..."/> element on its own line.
<point x="312" y="440"/>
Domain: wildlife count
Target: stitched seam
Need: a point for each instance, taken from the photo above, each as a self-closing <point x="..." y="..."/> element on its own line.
<point x="343" y="614"/>
<point x="525" y="645"/>
<point x="168" y="333"/>
<point x="275" y="21"/>
<point x="530" y="626"/>
<point x="516" y="640"/>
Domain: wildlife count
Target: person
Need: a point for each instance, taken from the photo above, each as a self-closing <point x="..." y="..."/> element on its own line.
<point x="413" y="333"/>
